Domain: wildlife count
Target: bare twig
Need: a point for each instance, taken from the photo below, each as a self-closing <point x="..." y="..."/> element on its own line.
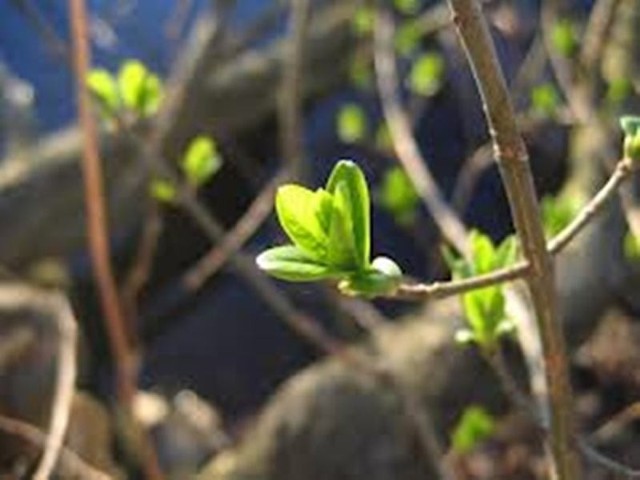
<point x="290" y="94"/>
<point x="623" y="171"/>
<point x="235" y="238"/>
<point x="404" y="142"/>
<point x="594" y="38"/>
<point x="611" y="465"/>
<point x="438" y="290"/>
<point x="65" y="385"/>
<point x="142" y="265"/>
<point x="512" y="157"/>
<point x="564" y="70"/>
<point x="69" y="460"/>
<point x="98" y="236"/>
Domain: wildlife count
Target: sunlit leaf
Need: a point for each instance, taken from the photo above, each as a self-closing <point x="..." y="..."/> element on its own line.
<point x="104" y="87"/>
<point x="357" y="204"/>
<point x="398" y="196"/>
<point x="363" y="20"/>
<point x="140" y="90"/>
<point x="382" y="278"/>
<point x="631" y="247"/>
<point x="407" y="7"/>
<point x="351" y="123"/>
<point x="162" y="190"/>
<point x="564" y="37"/>
<point x="288" y="262"/>
<point x="475" y="425"/>
<point x="201" y="161"/>
<point x="427" y="74"/>
<point x="545" y="100"/>
<point x="298" y="212"/>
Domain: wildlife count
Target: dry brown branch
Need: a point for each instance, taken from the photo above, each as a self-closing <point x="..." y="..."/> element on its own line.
<point x="70" y="462"/>
<point x="98" y="237"/>
<point x="64" y="385"/>
<point x="235" y="238"/>
<point x="512" y="157"/>
<point x="404" y="143"/>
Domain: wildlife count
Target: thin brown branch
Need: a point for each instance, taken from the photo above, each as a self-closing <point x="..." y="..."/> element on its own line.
<point x="563" y="69"/>
<point x="65" y="386"/>
<point x="609" y="464"/>
<point x="98" y="235"/>
<point x="595" y="35"/>
<point x="234" y="239"/>
<point x="404" y="143"/>
<point x="512" y="158"/>
<point x="622" y="172"/>
<point x="142" y="264"/>
<point x="290" y="94"/>
<point x="439" y="290"/>
<point x="70" y="461"/>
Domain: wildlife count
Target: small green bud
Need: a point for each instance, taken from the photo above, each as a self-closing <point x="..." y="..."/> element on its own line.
<point x="631" y="127"/>
<point x="382" y="278"/>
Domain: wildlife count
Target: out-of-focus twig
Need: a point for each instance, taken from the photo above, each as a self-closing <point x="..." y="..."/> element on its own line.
<point x="595" y="35"/>
<point x="235" y="238"/>
<point x="98" y="238"/>
<point x="64" y="385"/>
<point x="290" y="94"/>
<point x="142" y="264"/>
<point x="69" y="460"/>
<point x="515" y="170"/>
<point x="404" y="143"/>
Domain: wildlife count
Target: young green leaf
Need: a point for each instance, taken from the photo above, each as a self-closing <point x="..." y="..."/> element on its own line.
<point x="398" y="196"/>
<point x="382" y="278"/>
<point x="288" y="262"/>
<point x="357" y="205"/>
<point x="407" y="7"/>
<point x="162" y="190"/>
<point x="618" y="90"/>
<point x="557" y="213"/>
<point x="564" y="37"/>
<point x="631" y="247"/>
<point x="631" y="127"/>
<point x="427" y="74"/>
<point x="342" y="252"/>
<point x="475" y="425"/>
<point x="545" y="100"/>
<point x="201" y="161"/>
<point x="407" y="38"/>
<point x="302" y="214"/>
<point x="140" y="90"/>
<point x="351" y="123"/>
<point x="485" y="308"/>
<point x="363" y="20"/>
<point x="104" y="87"/>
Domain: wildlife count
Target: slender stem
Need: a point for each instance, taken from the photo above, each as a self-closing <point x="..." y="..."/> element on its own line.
<point x="622" y="172"/>
<point x="290" y="94"/>
<point x="98" y="235"/>
<point x="70" y="462"/>
<point x="515" y="170"/>
<point x="439" y="290"/>
<point x="65" y="386"/>
<point x="404" y="143"/>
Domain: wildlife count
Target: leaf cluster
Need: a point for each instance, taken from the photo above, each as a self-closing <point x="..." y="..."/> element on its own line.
<point x="330" y="233"/>
<point x="133" y="89"/>
<point x="484" y="308"/>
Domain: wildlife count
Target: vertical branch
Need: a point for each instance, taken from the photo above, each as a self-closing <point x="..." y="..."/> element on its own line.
<point x="290" y="94"/>
<point x="65" y="384"/>
<point x="404" y="143"/>
<point x="98" y="236"/>
<point x="518" y="181"/>
<point x="96" y="215"/>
